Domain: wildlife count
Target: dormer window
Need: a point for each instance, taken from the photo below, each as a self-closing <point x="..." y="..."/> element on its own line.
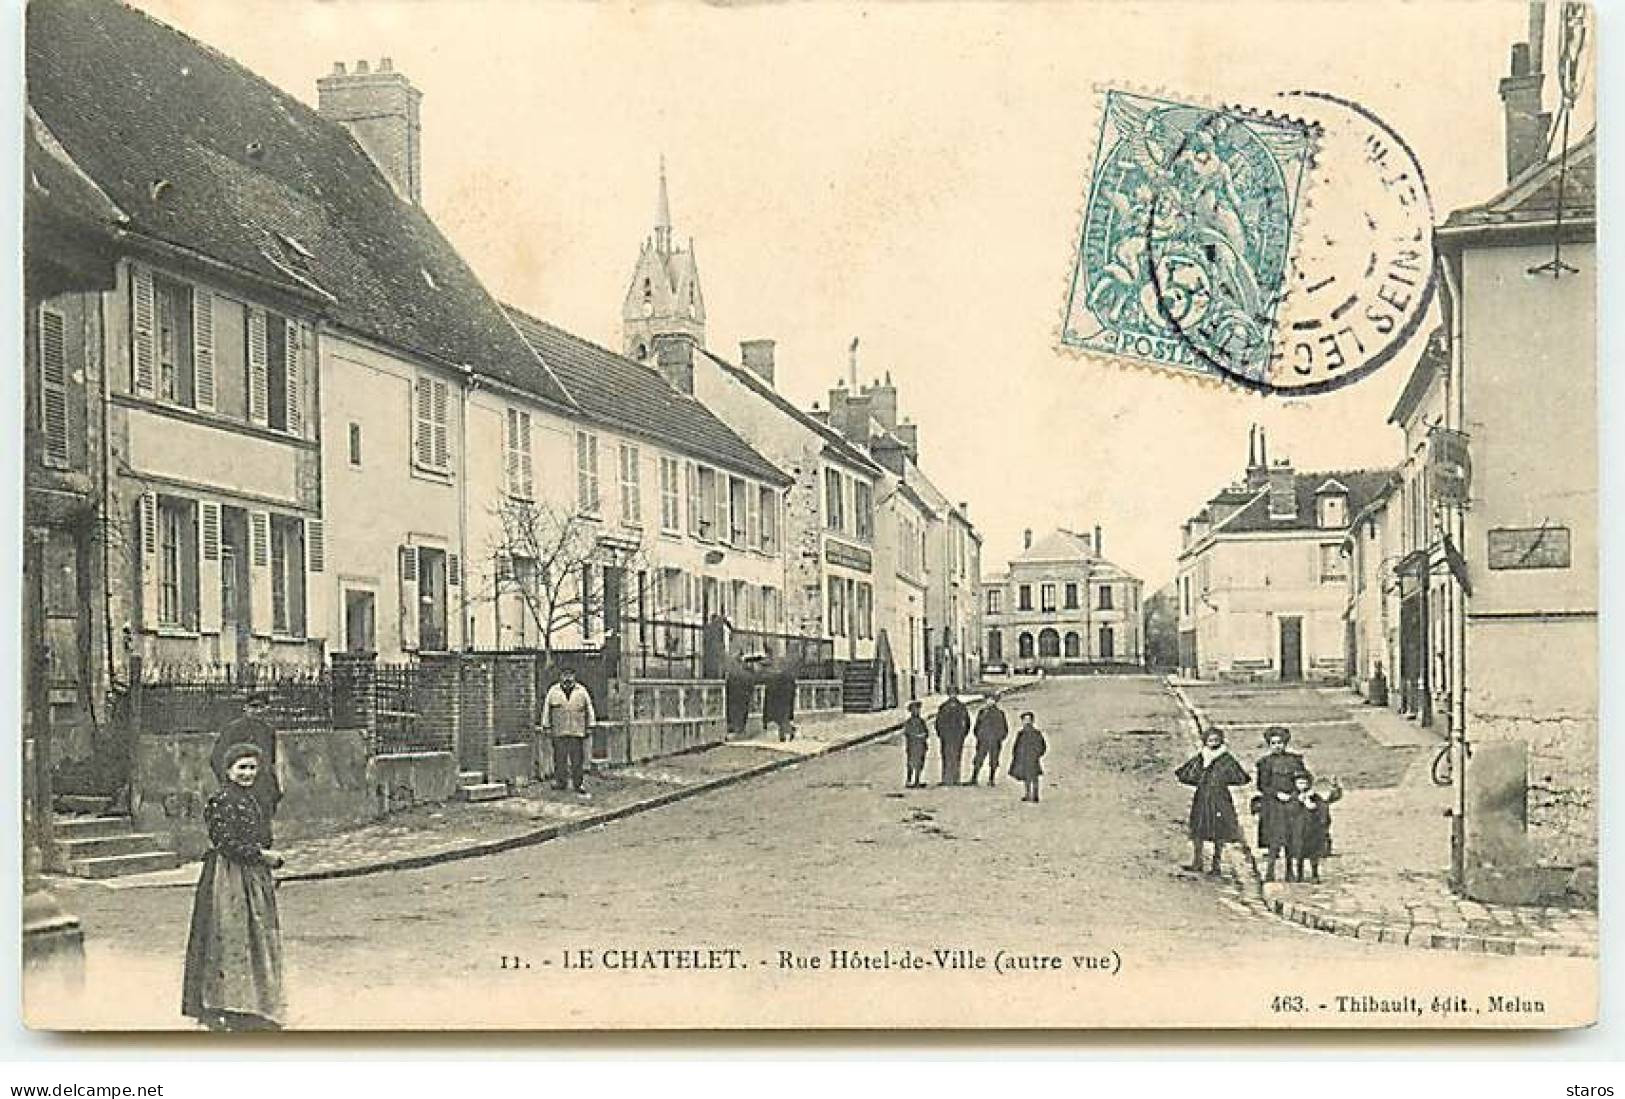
<point x="1331" y="506"/>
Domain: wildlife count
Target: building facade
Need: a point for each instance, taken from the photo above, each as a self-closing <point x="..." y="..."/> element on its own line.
<point x="1061" y="607"/>
<point x="1263" y="575"/>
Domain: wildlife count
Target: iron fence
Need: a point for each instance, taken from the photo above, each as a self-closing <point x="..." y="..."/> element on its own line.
<point x="194" y="698"/>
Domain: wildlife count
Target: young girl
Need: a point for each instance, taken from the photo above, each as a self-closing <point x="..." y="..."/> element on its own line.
<point x="233" y="975"/>
<point x="1213" y="770"/>
<point x="1028" y="749"/>
<point x="1309" y="826"/>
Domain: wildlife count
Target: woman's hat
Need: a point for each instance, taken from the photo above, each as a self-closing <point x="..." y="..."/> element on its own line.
<point x="240" y="751"/>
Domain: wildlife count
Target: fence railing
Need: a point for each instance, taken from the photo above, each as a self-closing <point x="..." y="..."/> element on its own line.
<point x="203" y="697"/>
<point x="663" y="649"/>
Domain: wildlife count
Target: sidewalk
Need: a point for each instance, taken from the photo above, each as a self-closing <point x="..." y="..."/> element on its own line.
<point x="1386" y="881"/>
<point x="537" y="813"/>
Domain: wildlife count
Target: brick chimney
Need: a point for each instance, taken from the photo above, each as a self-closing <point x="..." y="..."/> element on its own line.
<point x="757" y="357"/>
<point x="883" y="402"/>
<point x="1283" y="491"/>
<point x="1098" y="551"/>
<point x="1527" y="126"/>
<point x="1027" y="539"/>
<point x="909" y="434"/>
<point x="380" y="109"/>
<point x="674" y="356"/>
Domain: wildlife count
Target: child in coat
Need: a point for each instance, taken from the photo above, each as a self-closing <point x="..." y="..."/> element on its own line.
<point x="1308" y="826"/>
<point x="916" y="739"/>
<point x="1028" y="749"/>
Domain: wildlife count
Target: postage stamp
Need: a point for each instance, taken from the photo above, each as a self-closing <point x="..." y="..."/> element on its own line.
<point x="1187" y="238"/>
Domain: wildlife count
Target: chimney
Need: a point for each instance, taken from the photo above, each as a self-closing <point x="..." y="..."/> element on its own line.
<point x="674" y="355"/>
<point x="380" y="109"/>
<point x="909" y="435"/>
<point x="883" y="402"/>
<point x="757" y="356"/>
<point x="1527" y="126"/>
<point x="852" y="362"/>
<point x="1027" y="538"/>
<point x="1097" y="540"/>
<point x="1283" y="491"/>
<point x="1258" y="464"/>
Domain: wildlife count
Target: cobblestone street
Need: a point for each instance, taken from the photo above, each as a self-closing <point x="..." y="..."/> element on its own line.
<point x="825" y="856"/>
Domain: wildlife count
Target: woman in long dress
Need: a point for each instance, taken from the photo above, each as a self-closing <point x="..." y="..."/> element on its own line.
<point x="233" y="975"/>
<point x="1212" y="770"/>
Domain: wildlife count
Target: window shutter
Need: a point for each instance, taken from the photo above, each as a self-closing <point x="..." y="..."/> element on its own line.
<point x="259" y="376"/>
<point x="511" y="457"/>
<point x="53" y="370"/>
<point x="409" y="597"/>
<point x="147" y="547"/>
<point x="259" y="573"/>
<point x="144" y="349"/>
<point x="442" y="432"/>
<point x="691" y="484"/>
<point x="209" y="566"/>
<point x="525" y="477"/>
<point x="203" y="348"/>
<point x="293" y="361"/>
<point x="723" y="532"/>
<point x="753" y="517"/>
<point x="422" y="423"/>
<point x="317" y="610"/>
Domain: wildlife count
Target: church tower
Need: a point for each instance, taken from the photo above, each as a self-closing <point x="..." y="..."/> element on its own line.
<point x="664" y="297"/>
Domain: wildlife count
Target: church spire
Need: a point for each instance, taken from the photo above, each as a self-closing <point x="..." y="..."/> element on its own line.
<point x="663" y="212"/>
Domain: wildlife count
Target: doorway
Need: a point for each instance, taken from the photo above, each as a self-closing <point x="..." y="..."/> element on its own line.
<point x="235" y="613"/>
<point x="1291" y="650"/>
<point x="360" y="621"/>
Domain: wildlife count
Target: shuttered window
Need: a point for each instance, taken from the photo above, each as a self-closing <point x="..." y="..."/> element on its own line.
<point x="587" y="498"/>
<point x="431" y="428"/>
<point x="670" y="501"/>
<point x="631" y="486"/>
<point x="520" y="482"/>
<point x="53" y="388"/>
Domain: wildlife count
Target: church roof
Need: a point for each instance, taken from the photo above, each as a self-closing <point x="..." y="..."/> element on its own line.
<point x="637" y="399"/>
<point x="206" y="158"/>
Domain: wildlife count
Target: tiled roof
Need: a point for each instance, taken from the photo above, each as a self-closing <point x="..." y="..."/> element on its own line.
<point x="1363" y="486"/>
<point x="1533" y="195"/>
<point x="246" y="169"/>
<point x="637" y="399"/>
<point x="54" y="179"/>
<point x="834" y="442"/>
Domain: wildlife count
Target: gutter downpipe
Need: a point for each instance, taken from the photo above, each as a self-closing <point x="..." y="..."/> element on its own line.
<point x="1456" y="411"/>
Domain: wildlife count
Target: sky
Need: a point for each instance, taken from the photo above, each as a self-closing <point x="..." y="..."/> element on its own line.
<point x="909" y="174"/>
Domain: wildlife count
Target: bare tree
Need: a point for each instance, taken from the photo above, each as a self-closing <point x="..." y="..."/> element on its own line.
<point x="542" y="553"/>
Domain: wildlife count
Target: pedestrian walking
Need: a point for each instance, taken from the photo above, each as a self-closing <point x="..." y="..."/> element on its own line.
<point x="953" y="725"/>
<point x="1025" y="754"/>
<point x="738" y="688"/>
<point x="1274" y="775"/>
<point x="916" y="741"/>
<point x="251" y="728"/>
<point x="1308" y="826"/>
<point x="1212" y="770"/>
<point x="779" y="698"/>
<point x="567" y="716"/>
<point x="991" y="729"/>
<point x="232" y="978"/>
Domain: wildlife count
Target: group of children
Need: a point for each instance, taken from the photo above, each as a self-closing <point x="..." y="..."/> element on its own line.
<point x="952" y="722"/>
<point x="1294" y="819"/>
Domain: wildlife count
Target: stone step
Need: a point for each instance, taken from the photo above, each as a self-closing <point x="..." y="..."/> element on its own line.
<point x="470" y="778"/>
<point x="85" y="847"/>
<point x="84" y="827"/>
<point x="82" y="803"/>
<point x="483" y="791"/>
<point x="113" y="866"/>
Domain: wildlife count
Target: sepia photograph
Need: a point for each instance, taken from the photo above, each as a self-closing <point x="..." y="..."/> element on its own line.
<point x="808" y="516"/>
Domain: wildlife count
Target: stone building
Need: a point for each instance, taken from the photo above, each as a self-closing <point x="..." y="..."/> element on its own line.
<point x="1060" y="606"/>
<point x="1263" y="576"/>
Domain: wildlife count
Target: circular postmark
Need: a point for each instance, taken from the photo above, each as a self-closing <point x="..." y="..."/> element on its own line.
<point x="1276" y="293"/>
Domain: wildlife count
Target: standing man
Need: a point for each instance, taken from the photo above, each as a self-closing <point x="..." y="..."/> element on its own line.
<point x="567" y="715"/>
<point x="991" y="727"/>
<point x="251" y="728"/>
<point x="953" y="723"/>
<point x="1275" y="773"/>
<point x="916" y="739"/>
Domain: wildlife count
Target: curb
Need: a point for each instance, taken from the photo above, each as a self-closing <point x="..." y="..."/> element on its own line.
<point x="1316" y="918"/>
<point x="566" y="828"/>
